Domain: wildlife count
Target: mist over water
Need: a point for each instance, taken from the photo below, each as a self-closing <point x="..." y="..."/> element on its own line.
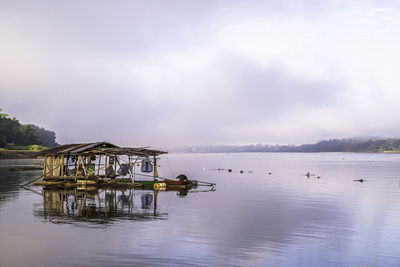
<point x="142" y="73"/>
<point x="253" y="218"/>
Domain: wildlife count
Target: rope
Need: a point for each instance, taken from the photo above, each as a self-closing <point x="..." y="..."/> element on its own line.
<point x="169" y="166"/>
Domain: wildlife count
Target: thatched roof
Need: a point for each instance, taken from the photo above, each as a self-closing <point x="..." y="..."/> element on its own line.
<point x="99" y="148"/>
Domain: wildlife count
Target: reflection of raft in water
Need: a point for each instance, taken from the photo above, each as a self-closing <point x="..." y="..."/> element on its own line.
<point x="100" y="207"/>
<point x="104" y="165"/>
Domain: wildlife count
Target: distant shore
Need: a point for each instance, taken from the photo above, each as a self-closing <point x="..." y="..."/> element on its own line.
<point x="17" y="154"/>
<point x="357" y="145"/>
<point x="292" y="152"/>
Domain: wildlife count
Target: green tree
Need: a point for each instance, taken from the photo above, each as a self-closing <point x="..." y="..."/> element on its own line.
<point x="3" y="115"/>
<point x="13" y="132"/>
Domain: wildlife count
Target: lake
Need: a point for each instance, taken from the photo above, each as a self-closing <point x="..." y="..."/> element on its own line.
<point x="265" y="212"/>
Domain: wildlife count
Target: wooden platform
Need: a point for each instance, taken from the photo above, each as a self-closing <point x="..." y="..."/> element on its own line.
<point x="69" y="182"/>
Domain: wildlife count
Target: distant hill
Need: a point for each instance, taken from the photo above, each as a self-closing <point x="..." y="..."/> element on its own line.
<point x="358" y="144"/>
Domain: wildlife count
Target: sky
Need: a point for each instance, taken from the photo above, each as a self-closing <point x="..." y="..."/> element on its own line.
<point x="177" y="73"/>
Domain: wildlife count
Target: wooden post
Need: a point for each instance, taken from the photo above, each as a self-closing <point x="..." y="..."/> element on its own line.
<point x="45" y="165"/>
<point x="84" y="164"/>
<point x="79" y="162"/>
<point x="65" y="173"/>
<point x="155" y="168"/>
<point x="115" y="166"/>
<point x="105" y="164"/>
<point x="98" y="169"/>
<point x="129" y="162"/>
<point x="50" y="164"/>
<point x="61" y="165"/>
<point x="76" y="168"/>
<point x="134" y="168"/>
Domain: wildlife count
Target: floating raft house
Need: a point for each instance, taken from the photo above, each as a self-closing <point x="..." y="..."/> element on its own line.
<point x="102" y="164"/>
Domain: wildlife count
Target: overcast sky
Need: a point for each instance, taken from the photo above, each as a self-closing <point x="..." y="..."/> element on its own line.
<point x="172" y="73"/>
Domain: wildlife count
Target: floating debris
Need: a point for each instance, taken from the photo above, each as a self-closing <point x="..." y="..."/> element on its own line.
<point x="230" y="170"/>
<point x="360" y="180"/>
<point x="270" y="173"/>
<point x="218" y="169"/>
<point x="308" y="174"/>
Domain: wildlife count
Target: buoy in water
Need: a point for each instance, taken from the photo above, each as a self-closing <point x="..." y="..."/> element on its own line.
<point x="241" y="171"/>
<point x="229" y="170"/>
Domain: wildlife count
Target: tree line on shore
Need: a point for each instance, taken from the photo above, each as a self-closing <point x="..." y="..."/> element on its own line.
<point x="14" y="135"/>
<point x="375" y="144"/>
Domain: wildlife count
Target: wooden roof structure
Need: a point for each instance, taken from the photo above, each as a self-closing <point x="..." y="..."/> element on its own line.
<point x="100" y="148"/>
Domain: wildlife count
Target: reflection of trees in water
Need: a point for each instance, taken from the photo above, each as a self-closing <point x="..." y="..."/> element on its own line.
<point x="10" y="181"/>
<point x="98" y="206"/>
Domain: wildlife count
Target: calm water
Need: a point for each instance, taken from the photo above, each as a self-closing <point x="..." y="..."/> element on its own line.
<point x="252" y="219"/>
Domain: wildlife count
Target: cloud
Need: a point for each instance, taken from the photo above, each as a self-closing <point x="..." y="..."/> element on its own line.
<point x="236" y="96"/>
<point x="201" y="73"/>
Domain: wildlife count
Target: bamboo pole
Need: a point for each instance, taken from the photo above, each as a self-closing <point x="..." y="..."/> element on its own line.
<point x="76" y="168"/>
<point x="129" y="162"/>
<point x="61" y="162"/>
<point x="51" y="165"/>
<point x="155" y="168"/>
<point x="67" y="165"/>
<point x="115" y="166"/>
<point x="98" y="170"/>
<point x="31" y="181"/>
<point x="83" y="165"/>
<point x="105" y="165"/>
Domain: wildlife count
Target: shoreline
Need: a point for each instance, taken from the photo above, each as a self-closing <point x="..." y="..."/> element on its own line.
<point x="17" y="154"/>
<point x="26" y="154"/>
